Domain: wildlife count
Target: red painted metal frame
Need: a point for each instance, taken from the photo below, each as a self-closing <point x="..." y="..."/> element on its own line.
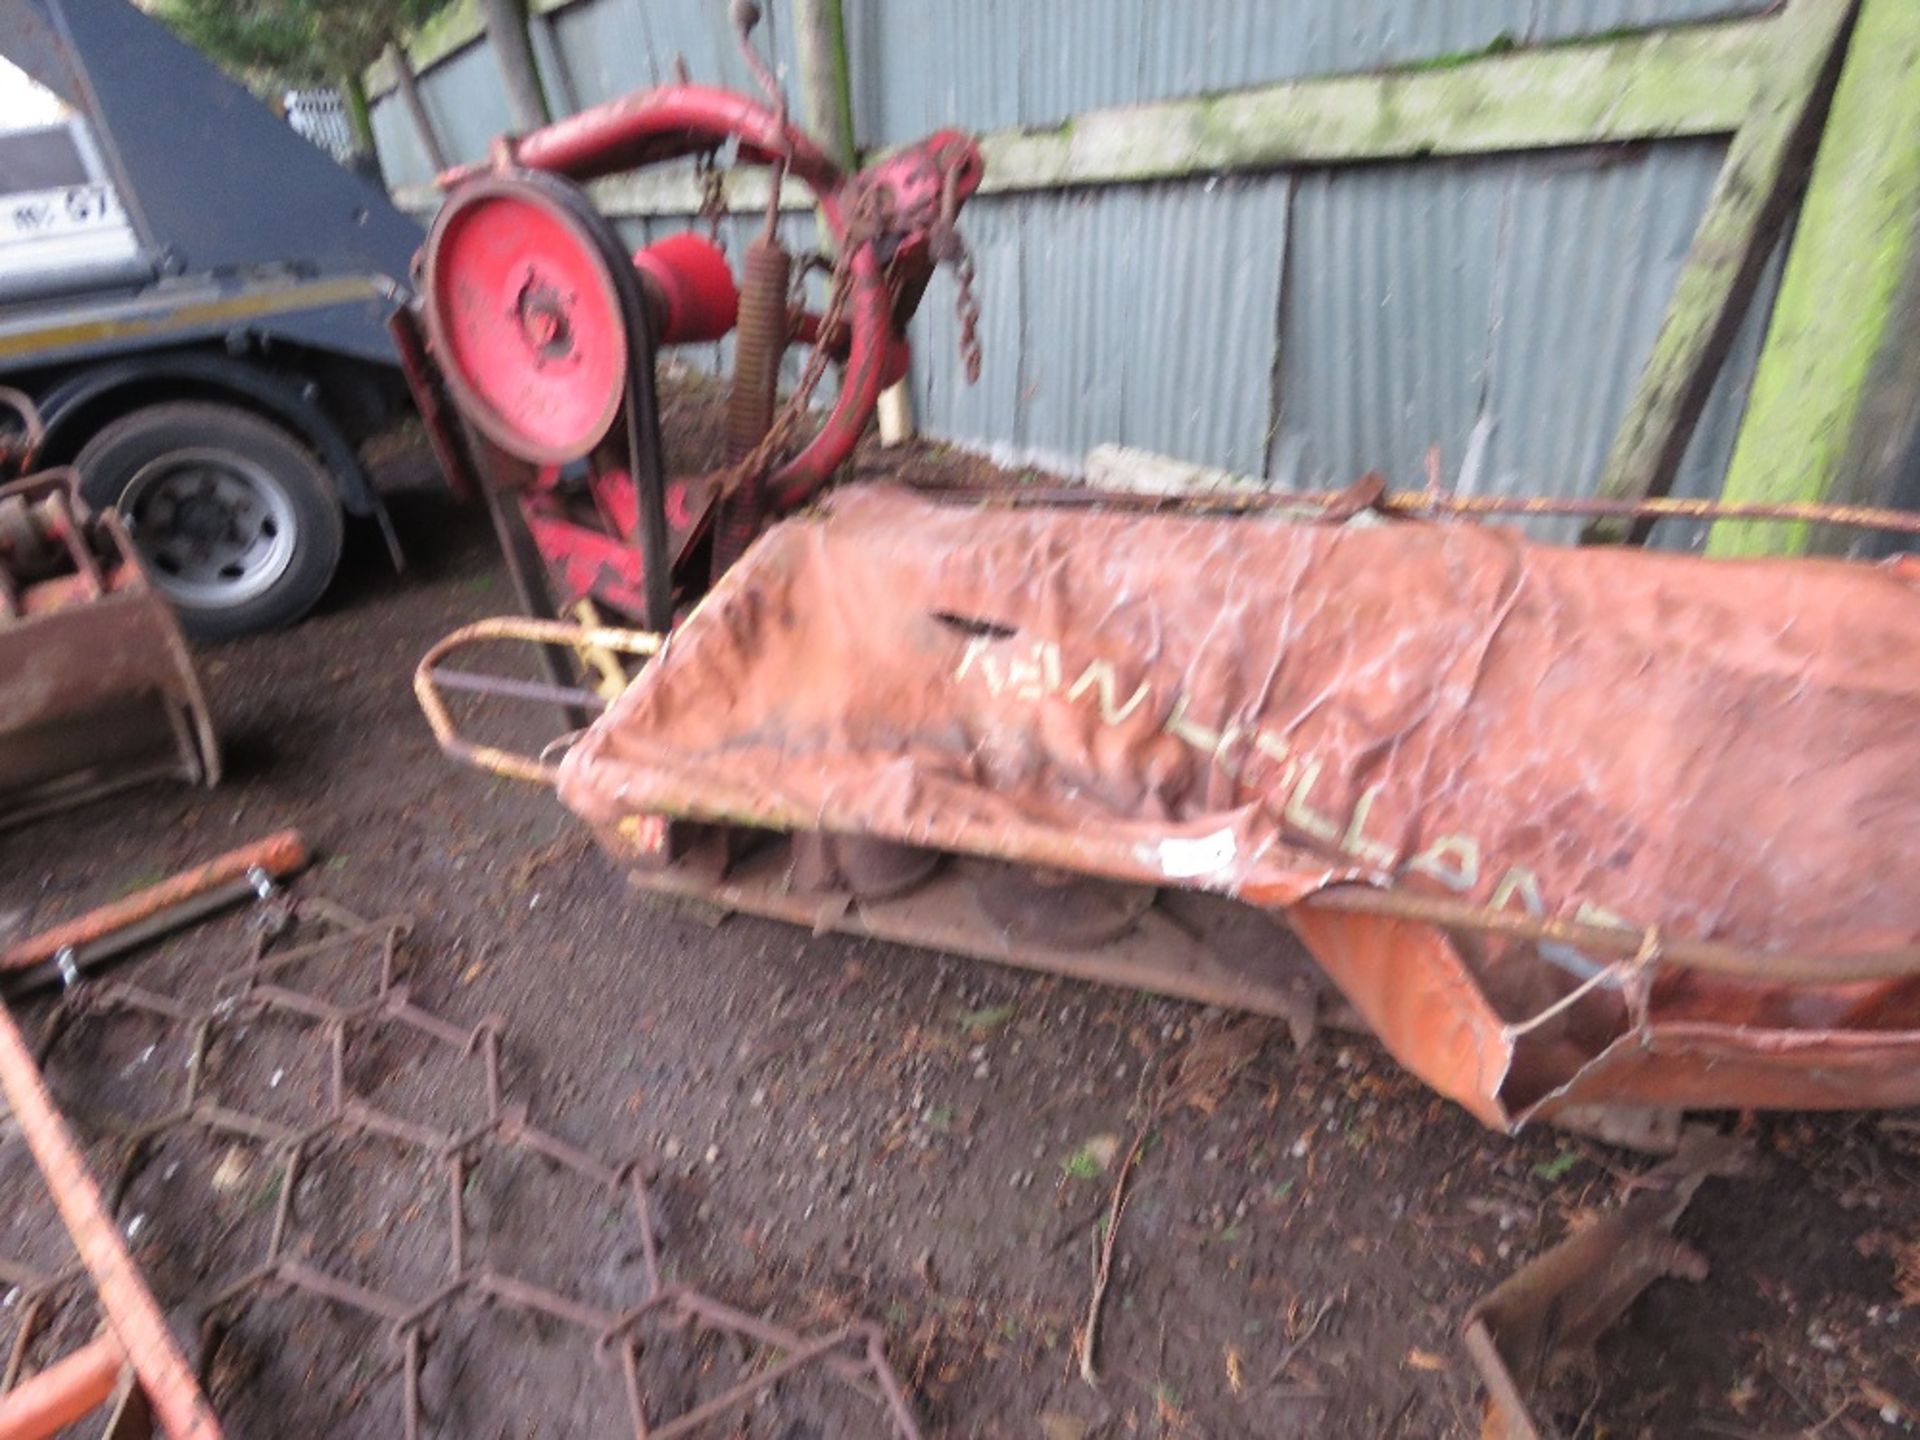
<point x="676" y="121"/>
<point x="596" y="560"/>
<point x="881" y="222"/>
<point x="671" y="122"/>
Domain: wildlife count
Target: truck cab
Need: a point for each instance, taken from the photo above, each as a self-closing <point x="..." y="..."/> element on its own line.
<point x="198" y="300"/>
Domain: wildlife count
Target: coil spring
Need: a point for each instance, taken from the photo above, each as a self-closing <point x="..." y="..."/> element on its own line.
<point x="759" y="343"/>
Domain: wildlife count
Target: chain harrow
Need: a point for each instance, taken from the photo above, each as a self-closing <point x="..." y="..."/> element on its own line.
<point x="618" y="1337"/>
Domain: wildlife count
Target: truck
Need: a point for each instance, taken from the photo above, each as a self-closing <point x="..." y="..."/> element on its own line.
<point x="198" y="300"/>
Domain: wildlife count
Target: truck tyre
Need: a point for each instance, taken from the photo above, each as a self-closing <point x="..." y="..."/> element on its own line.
<point x="237" y="522"/>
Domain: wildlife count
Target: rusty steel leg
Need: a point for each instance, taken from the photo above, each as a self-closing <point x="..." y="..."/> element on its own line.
<point x="131" y="1312"/>
<point x="275" y="857"/>
<point x="527" y="570"/>
<point x="69" y="1390"/>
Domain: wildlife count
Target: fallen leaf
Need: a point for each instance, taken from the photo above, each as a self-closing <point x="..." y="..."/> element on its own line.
<point x="1425" y="1360"/>
<point x="1166" y="1408"/>
<point x="1055" y="1426"/>
<point x="978" y="1022"/>
<point x="1558" y="1166"/>
<point x="1081" y="1165"/>
<point x="1905" y="1255"/>
<point x="232" y="1169"/>
<point x="1742" y="1393"/>
<point x="1236" y="1378"/>
<point x="1881" y="1400"/>
<point x="1214" y="1059"/>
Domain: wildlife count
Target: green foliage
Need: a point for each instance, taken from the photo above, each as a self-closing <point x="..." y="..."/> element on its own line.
<point x="979" y="1022"/>
<point x="1082" y="1165"/>
<point x="252" y="39"/>
<point x="1558" y="1166"/>
<point x="294" y="41"/>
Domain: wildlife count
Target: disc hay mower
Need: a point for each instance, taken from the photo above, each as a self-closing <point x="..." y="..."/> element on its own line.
<point x="1596" y="835"/>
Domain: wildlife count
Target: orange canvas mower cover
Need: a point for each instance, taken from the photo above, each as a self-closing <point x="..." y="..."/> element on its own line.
<point x="1649" y="820"/>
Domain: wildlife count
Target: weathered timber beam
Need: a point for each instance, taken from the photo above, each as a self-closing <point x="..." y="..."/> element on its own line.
<point x="1749" y="204"/>
<point x="1700" y="80"/>
<point x="1685" y="81"/>
<point x="1812" y="430"/>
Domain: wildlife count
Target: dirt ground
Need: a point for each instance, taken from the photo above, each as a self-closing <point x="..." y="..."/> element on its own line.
<point x="840" y="1128"/>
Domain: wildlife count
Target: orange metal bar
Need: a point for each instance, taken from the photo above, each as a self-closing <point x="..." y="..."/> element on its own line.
<point x="132" y="1315"/>
<point x="67" y="1391"/>
<point x="278" y="855"/>
<point x="1836" y="967"/>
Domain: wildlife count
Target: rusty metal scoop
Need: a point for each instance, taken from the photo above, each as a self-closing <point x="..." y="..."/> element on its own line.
<point x="97" y="689"/>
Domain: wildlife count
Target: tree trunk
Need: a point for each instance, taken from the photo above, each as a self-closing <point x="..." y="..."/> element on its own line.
<point x="820" y="36"/>
<point x="826" y="93"/>
<point x="409" y="88"/>
<point x="507" y="30"/>
<point x="353" y="90"/>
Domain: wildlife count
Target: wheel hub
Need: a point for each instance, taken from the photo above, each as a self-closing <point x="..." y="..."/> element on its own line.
<point x="215" y="528"/>
<point x="205" y="522"/>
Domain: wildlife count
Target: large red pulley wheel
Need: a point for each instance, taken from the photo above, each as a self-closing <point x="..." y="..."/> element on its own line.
<point x="525" y="317"/>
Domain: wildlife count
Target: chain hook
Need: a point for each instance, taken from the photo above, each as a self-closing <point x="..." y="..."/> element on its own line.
<point x="745" y="15"/>
<point x="713" y="194"/>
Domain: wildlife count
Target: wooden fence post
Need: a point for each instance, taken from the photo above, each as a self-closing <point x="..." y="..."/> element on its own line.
<point x="1841" y="314"/>
<point x="408" y="86"/>
<point x="1743" y="219"/>
<point x="513" y="53"/>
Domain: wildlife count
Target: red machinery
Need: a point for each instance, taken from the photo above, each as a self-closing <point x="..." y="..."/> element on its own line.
<point x="1590" y="835"/>
<point x="546" y="333"/>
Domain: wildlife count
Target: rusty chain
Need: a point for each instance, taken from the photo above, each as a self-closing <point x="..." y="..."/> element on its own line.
<point x="839" y="287"/>
<point x="947" y="245"/>
<point x="966" y="311"/>
<point x="712" y="180"/>
<point x="950" y="247"/>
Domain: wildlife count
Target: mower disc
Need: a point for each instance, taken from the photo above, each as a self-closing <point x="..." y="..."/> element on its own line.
<point x="1033" y="906"/>
<point x="524" y="314"/>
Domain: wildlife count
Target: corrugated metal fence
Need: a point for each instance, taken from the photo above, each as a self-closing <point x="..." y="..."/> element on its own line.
<point x="1307" y="324"/>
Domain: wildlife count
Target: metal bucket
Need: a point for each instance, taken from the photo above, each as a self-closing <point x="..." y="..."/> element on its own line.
<point x="97" y="689"/>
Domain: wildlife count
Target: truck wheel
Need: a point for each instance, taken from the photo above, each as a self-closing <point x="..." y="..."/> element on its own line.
<point x="237" y="522"/>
